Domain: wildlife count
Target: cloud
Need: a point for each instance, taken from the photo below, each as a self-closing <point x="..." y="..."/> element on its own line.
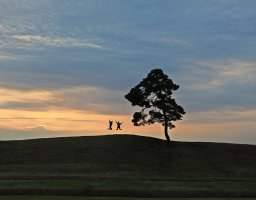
<point x="3" y="29"/>
<point x="94" y="99"/>
<point x="47" y="41"/>
<point x="218" y="85"/>
<point x="229" y="132"/>
<point x="9" y="56"/>
<point x="35" y="132"/>
<point x="83" y="98"/>
<point x="136" y="41"/>
<point x="27" y="100"/>
<point x="62" y="120"/>
<point x="220" y="116"/>
<point x="214" y="75"/>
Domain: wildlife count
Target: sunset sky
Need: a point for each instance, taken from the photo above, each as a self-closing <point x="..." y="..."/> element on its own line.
<point x="65" y="66"/>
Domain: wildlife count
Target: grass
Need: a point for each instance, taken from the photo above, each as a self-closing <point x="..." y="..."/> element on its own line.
<point x="126" y="188"/>
<point x="125" y="166"/>
<point x="101" y="198"/>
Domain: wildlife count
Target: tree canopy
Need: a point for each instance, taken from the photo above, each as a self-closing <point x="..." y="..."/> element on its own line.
<point x="154" y="95"/>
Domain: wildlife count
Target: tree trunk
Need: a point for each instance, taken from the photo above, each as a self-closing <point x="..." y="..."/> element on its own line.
<point x="168" y="140"/>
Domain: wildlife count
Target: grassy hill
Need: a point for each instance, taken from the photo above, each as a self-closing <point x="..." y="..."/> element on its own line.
<point x="127" y="165"/>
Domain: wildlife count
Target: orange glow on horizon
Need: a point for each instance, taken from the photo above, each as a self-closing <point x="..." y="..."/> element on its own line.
<point x="68" y="121"/>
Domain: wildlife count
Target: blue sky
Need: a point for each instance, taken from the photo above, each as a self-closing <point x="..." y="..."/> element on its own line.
<point x="84" y="56"/>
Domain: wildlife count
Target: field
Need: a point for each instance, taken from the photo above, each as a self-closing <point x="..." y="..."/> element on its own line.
<point x="102" y="198"/>
<point x="123" y="167"/>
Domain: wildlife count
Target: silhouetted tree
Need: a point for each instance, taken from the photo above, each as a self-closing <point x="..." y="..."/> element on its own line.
<point x="154" y="95"/>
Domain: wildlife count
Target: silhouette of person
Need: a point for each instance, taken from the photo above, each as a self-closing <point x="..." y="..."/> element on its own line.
<point x="110" y="125"/>
<point x="118" y="125"/>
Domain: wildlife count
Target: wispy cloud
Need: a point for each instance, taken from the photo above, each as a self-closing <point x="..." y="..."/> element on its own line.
<point x="218" y="85"/>
<point x="15" y="95"/>
<point x="9" y="56"/>
<point x="239" y="132"/>
<point x="3" y="29"/>
<point x="83" y="98"/>
<point x="213" y="75"/>
<point x="95" y="99"/>
<point x="222" y="116"/>
<point x="34" y="132"/>
<point x="76" y="111"/>
<point x="47" y="41"/>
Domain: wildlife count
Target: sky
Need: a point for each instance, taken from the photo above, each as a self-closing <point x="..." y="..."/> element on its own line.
<point x="65" y="66"/>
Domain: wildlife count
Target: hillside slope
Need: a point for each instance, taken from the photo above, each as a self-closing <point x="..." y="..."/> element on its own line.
<point x="129" y="154"/>
<point x="126" y="166"/>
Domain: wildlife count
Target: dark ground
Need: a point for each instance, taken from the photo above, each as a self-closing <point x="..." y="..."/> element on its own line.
<point x="126" y="166"/>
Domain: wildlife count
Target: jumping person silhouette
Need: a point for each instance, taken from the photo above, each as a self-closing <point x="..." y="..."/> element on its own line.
<point x="118" y="125"/>
<point x="110" y="125"/>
